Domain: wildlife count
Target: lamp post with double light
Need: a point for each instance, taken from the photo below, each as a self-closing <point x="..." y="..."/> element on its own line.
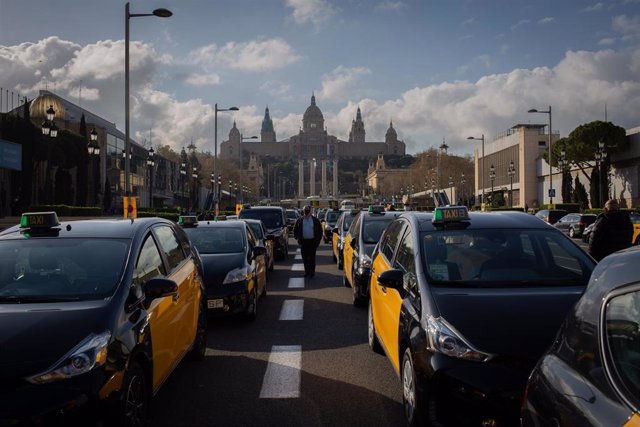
<point x="511" y="172"/>
<point x="151" y="163"/>
<point x="93" y="148"/>
<point x="160" y="13"/>
<point x="551" y="191"/>
<point x="451" y="202"/>
<point x="194" y="175"/>
<point x="215" y="146"/>
<point x="601" y="155"/>
<point x="463" y="181"/>
<point x="492" y="177"/>
<point x="483" y="163"/>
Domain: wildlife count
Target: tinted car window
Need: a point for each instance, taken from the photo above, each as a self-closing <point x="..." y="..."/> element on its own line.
<point x="391" y="239"/>
<point x="405" y="260"/>
<point x="332" y="217"/>
<point x="346" y="223"/>
<point x="271" y="218"/>
<point x="354" y="230"/>
<point x="372" y="230"/>
<point x="257" y="230"/>
<point x="149" y="264"/>
<point x="212" y="240"/>
<point x="170" y="246"/>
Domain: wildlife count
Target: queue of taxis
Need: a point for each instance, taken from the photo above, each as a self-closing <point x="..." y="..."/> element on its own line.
<point x="234" y="266"/>
<point x="339" y="234"/>
<point x="464" y="305"/>
<point x="94" y="316"/>
<point x="363" y="235"/>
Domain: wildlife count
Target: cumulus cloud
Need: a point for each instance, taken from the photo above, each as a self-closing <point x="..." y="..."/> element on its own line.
<point x="86" y="94"/>
<point x="336" y="83"/>
<point x="593" y="8"/>
<point x="390" y="5"/>
<point x="626" y="25"/>
<point x="254" y="55"/>
<point x="315" y="11"/>
<point x="203" y="79"/>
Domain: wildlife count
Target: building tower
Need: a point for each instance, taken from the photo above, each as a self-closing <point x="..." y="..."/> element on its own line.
<point x="267" y="133"/>
<point x="313" y="120"/>
<point x="356" y="134"/>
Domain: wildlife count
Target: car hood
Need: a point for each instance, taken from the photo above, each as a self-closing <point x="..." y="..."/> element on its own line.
<point x="519" y="323"/>
<point x="216" y="266"/>
<point x="35" y="336"/>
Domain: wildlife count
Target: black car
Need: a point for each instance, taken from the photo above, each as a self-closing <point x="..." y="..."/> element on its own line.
<point x="263" y="239"/>
<point x="574" y="224"/>
<point x="464" y="305"/>
<point x="591" y="374"/>
<point x="551" y="216"/>
<point x="234" y="266"/>
<point x="339" y="233"/>
<point x="330" y="220"/>
<point x="94" y="316"/>
<point x="292" y="217"/>
<point x="273" y="217"/>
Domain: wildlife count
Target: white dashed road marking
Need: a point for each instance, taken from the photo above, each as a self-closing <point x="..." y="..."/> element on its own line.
<point x="292" y="309"/>
<point x="282" y="378"/>
<point x="297" y="267"/>
<point x="296" y="282"/>
<point x="298" y="257"/>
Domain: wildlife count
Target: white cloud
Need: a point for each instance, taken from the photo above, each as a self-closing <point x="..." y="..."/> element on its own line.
<point x="276" y="89"/>
<point x="547" y="20"/>
<point x="336" y="83"/>
<point x="203" y="79"/>
<point x="607" y="41"/>
<point x="593" y="8"/>
<point x="626" y="25"/>
<point x="468" y="21"/>
<point x="87" y="93"/>
<point x="390" y="5"/>
<point x="254" y="55"/>
<point x="314" y="11"/>
<point x="480" y="60"/>
<point x="520" y="24"/>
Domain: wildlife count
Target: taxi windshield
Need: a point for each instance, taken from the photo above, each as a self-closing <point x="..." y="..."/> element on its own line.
<point x="332" y="217"/>
<point x="372" y="229"/>
<point x="503" y="257"/>
<point x="213" y="240"/>
<point x="45" y="270"/>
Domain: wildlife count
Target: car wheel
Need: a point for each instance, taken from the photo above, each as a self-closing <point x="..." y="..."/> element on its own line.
<point x="371" y="336"/>
<point x="135" y="398"/>
<point x="412" y="398"/>
<point x="252" y="310"/>
<point x="572" y="233"/>
<point x="199" y="346"/>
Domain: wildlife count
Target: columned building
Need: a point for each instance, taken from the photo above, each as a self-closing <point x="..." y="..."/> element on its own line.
<point x="317" y="153"/>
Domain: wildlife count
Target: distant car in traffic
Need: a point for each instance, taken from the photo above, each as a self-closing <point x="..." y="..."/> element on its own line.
<point x="464" y="304"/>
<point x="273" y="217"/>
<point x="292" y="216"/>
<point x="574" y="223"/>
<point x="339" y="233"/>
<point x="551" y="216"/>
<point x="329" y="222"/>
<point x="591" y="374"/>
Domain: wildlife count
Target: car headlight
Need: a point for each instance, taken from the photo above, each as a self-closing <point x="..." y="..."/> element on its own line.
<point x="443" y="338"/>
<point x="365" y="261"/>
<point x="236" y="275"/>
<point x="89" y="354"/>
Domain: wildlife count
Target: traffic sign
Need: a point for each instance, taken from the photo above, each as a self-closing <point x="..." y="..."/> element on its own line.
<point x="552" y="192"/>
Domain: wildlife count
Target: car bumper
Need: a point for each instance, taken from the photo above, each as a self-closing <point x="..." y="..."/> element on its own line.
<point x="232" y="298"/>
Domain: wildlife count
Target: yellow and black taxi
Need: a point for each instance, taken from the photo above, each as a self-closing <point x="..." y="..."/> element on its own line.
<point x="464" y="304"/>
<point x="635" y="220"/>
<point x="340" y="232"/>
<point x="233" y="263"/>
<point x="329" y="223"/>
<point x="363" y="235"/>
<point x="591" y="374"/>
<point x="275" y="220"/>
<point x="94" y="316"/>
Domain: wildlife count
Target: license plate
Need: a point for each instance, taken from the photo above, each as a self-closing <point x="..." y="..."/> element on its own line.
<point x="215" y="303"/>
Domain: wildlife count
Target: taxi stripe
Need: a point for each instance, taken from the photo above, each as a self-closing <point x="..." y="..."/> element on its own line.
<point x="282" y="378"/>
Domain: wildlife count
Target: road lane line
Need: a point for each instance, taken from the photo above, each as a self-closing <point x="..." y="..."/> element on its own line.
<point x="282" y="378"/>
<point x="297" y="257"/>
<point x="296" y="282"/>
<point x="297" y="267"/>
<point x="298" y="251"/>
<point x="292" y="309"/>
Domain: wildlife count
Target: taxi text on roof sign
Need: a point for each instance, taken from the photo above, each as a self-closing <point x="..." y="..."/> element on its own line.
<point x="39" y="220"/>
<point x="450" y="214"/>
<point x="187" y="220"/>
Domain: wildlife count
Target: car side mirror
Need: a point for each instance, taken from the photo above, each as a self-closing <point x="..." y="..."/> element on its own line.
<point x="159" y="287"/>
<point x="353" y="243"/>
<point x="391" y="279"/>
<point x="335" y="230"/>
<point x="259" y="250"/>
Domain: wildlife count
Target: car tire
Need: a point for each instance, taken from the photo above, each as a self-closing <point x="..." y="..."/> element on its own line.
<point x="572" y="233"/>
<point x="413" y="398"/>
<point x="252" y="310"/>
<point x="134" y="408"/>
<point x="199" y="347"/>
<point x="372" y="339"/>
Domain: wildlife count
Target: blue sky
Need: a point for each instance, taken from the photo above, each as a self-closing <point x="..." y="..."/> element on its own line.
<point x="438" y="69"/>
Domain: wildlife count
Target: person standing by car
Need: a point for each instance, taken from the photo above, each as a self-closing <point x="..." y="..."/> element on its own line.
<point x="308" y="232"/>
<point x="611" y="232"/>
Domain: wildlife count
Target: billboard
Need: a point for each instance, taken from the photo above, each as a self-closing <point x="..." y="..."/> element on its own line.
<point x="10" y="155"/>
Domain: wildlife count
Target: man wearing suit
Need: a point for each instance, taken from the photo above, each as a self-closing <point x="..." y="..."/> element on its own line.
<point x="308" y="232"/>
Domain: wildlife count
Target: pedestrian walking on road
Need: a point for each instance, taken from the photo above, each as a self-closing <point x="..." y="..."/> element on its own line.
<point x="612" y="231"/>
<point x="308" y="232"/>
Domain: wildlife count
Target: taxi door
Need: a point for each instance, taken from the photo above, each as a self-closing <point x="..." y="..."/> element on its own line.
<point x="347" y="251"/>
<point x="634" y="421"/>
<point x="336" y="236"/>
<point x="386" y="303"/>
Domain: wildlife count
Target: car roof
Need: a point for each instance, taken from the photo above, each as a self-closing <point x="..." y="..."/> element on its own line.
<point x="379" y="216"/>
<point x="93" y="228"/>
<point x="480" y="220"/>
<point x="233" y="223"/>
<point x="251" y="220"/>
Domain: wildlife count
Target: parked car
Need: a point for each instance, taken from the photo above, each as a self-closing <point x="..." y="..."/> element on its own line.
<point x="586" y="234"/>
<point x="339" y="233"/>
<point x="86" y="307"/>
<point x="574" y="223"/>
<point x="551" y="216"/>
<point x="234" y="266"/>
<point x="464" y="305"/>
<point x="635" y="220"/>
<point x="591" y="374"/>
<point x="274" y="219"/>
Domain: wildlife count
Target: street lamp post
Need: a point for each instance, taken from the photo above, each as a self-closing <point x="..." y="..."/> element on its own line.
<point x="94" y="151"/>
<point x="219" y="195"/>
<point x="151" y="163"/>
<point x="483" y="163"/>
<point x="463" y="181"/>
<point x="160" y="13"/>
<point x="183" y="174"/>
<point x="511" y="172"/>
<point x="492" y="177"/>
<point x="600" y="156"/>
<point x="451" y="190"/>
<point x="215" y="144"/>
<point x="235" y="192"/>
<point x="194" y="175"/>
<point x="533" y="110"/>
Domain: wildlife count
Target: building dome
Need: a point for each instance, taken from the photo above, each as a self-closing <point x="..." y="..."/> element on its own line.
<point x="40" y="105"/>
<point x="391" y="135"/>
<point x="313" y="120"/>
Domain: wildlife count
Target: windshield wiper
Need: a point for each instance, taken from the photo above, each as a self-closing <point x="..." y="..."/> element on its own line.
<point x="22" y="299"/>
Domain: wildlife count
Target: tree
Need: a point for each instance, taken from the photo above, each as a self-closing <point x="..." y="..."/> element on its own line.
<point x="580" y="195"/>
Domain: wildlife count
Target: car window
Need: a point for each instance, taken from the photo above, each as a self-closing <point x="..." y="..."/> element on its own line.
<point x="354" y="230"/>
<point x="391" y="237"/>
<point x="372" y="230"/>
<point x="149" y="263"/>
<point x="271" y="218"/>
<point x="257" y="230"/>
<point x="513" y="257"/>
<point x="170" y="245"/>
<point x="405" y="260"/>
<point x="331" y="217"/>
<point x="346" y="223"/>
<point x="216" y="240"/>
<point x="622" y="328"/>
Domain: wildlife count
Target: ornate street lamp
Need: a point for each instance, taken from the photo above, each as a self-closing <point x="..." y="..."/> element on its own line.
<point x="492" y="177"/>
<point x="49" y="126"/>
<point x="511" y="172"/>
<point x="151" y="163"/>
<point x="463" y="181"/>
<point x="600" y="155"/>
<point x="451" y="190"/>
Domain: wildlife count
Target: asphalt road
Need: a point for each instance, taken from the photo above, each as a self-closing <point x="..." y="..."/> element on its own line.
<point x="315" y="371"/>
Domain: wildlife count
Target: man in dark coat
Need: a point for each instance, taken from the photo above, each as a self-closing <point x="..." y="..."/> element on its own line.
<point x="612" y="231"/>
<point x="308" y="232"/>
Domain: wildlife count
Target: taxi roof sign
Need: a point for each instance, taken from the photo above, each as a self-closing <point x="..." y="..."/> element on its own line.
<point x="376" y="209"/>
<point x="188" y="220"/>
<point x="447" y="214"/>
<point x="39" y="220"/>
